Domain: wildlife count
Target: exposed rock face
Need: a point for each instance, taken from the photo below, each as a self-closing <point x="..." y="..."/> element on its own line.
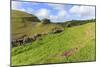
<point x="24" y="39"/>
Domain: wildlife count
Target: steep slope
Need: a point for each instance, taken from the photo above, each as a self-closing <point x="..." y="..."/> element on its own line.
<point x="25" y="24"/>
<point x="22" y="23"/>
<point x="72" y="45"/>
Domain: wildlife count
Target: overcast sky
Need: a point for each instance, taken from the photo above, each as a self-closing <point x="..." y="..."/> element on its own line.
<point x="56" y="12"/>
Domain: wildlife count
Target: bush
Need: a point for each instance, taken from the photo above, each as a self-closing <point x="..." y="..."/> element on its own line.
<point x="45" y="21"/>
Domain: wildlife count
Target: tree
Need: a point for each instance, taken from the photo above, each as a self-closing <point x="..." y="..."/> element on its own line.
<point x="45" y="21"/>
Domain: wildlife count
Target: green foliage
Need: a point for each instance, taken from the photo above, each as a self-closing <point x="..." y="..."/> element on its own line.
<point x="46" y="21"/>
<point x="77" y="22"/>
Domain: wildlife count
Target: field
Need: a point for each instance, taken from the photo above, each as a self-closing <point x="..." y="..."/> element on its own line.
<point x="74" y="44"/>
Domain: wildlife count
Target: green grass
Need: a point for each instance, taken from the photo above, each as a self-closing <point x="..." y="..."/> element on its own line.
<point x="41" y="28"/>
<point x="52" y="46"/>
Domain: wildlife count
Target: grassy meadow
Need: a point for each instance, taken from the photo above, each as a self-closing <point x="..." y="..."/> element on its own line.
<point x="73" y="44"/>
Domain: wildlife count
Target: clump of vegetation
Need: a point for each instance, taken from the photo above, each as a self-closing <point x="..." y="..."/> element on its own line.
<point x="46" y="21"/>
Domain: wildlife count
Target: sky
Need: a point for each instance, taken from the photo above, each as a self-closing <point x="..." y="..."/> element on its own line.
<point x="56" y="12"/>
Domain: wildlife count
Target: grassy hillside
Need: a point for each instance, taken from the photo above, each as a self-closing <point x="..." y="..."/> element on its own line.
<point x="22" y="23"/>
<point x="26" y="24"/>
<point x="73" y="44"/>
<point x="40" y="28"/>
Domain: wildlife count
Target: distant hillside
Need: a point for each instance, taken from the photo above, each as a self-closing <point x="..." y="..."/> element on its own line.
<point x="22" y="23"/>
<point x="25" y="24"/>
<point x="76" y="22"/>
<point x="23" y="16"/>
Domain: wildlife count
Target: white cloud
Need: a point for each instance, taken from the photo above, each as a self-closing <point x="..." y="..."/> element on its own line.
<point x="61" y="16"/>
<point x="62" y="13"/>
<point x="83" y="11"/>
<point x="42" y="13"/>
<point x="45" y="13"/>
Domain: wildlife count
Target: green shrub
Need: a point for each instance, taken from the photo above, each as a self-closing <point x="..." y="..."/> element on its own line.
<point x="46" y="21"/>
